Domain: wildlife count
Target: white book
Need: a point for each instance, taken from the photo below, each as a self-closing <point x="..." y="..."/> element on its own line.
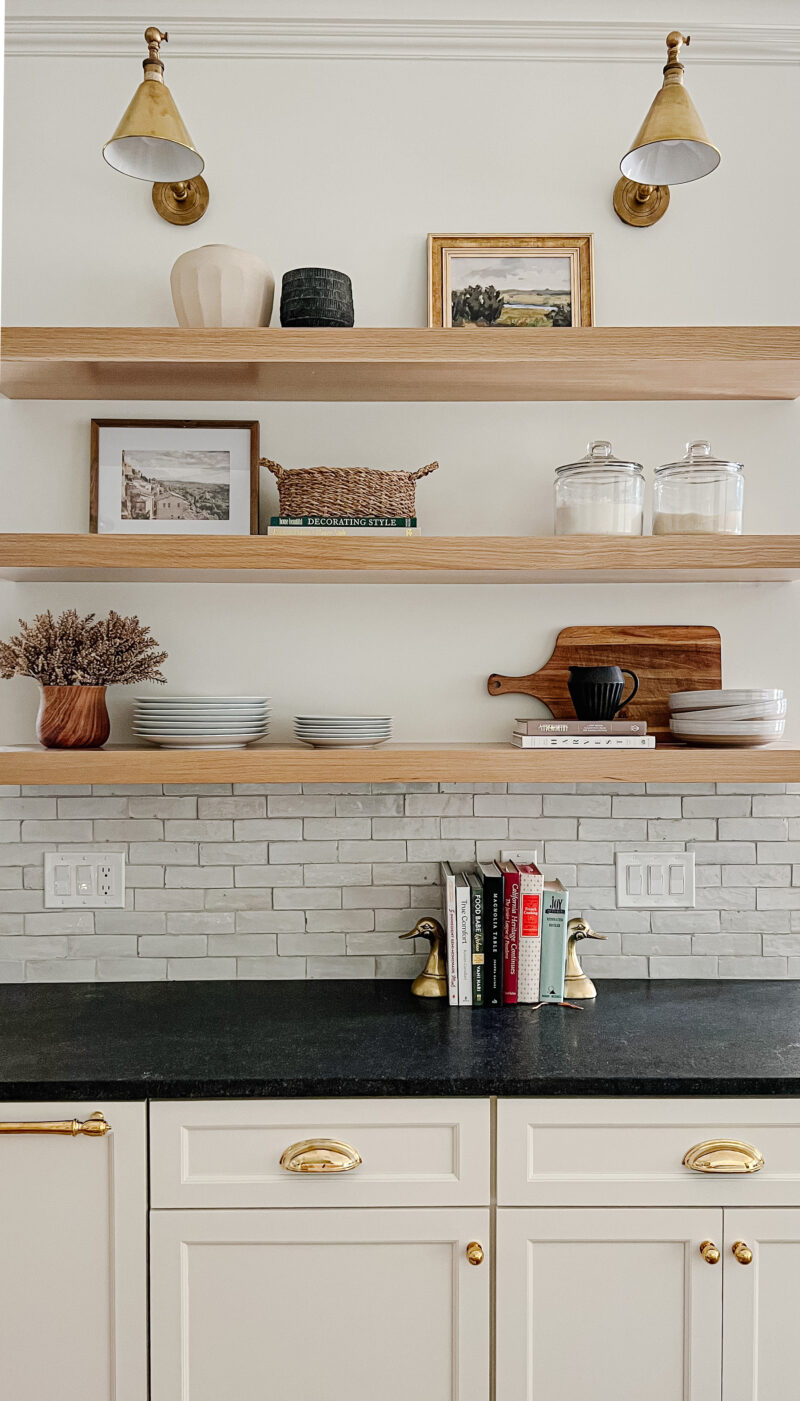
<point x="464" y="934"/>
<point x="449" y="884"/>
<point x="583" y="741"/>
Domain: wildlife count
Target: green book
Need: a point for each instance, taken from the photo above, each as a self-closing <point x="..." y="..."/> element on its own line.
<point x="347" y="522"/>
<point x="476" y="924"/>
<point x="555" y="913"/>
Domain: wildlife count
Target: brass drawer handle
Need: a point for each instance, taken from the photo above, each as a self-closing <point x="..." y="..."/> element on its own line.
<point x="724" y="1155"/>
<point x="320" y="1155"/>
<point x="710" y="1252"/>
<point x="475" y="1252"/>
<point x="742" y="1252"/>
<point x="93" y="1127"/>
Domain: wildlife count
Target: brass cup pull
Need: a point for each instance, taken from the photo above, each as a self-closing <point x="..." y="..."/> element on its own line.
<point x="709" y="1252"/>
<point x="475" y="1253"/>
<point x="320" y="1155"/>
<point x="742" y="1252"/>
<point x="723" y="1155"/>
<point x="93" y="1127"/>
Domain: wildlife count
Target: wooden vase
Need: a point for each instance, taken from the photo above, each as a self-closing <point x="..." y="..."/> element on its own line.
<point x="73" y="717"/>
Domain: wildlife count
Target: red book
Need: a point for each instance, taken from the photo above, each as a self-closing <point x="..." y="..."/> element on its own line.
<point x="510" y="931"/>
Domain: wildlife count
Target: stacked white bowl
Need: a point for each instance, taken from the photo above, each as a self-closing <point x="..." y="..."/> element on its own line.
<point x="343" y="731"/>
<point x="201" y="722"/>
<point x="736" y="719"/>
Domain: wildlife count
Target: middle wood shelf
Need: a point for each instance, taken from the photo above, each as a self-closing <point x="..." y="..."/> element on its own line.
<point x="469" y="559"/>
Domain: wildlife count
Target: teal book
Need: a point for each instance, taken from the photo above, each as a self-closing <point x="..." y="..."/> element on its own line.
<point x="555" y="913"/>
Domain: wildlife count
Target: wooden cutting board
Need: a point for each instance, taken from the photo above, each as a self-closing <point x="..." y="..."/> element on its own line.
<point x="665" y="659"/>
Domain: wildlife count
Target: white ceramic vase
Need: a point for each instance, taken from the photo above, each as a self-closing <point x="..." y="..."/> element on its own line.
<point x="218" y="285"/>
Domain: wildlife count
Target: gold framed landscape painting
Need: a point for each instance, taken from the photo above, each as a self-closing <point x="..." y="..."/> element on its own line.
<point x="510" y="280"/>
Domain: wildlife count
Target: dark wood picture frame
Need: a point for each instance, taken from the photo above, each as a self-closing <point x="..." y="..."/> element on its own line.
<point x="252" y="425"/>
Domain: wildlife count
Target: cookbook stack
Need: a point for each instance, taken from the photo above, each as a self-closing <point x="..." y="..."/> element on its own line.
<point x="506" y="934"/>
<point x="581" y="734"/>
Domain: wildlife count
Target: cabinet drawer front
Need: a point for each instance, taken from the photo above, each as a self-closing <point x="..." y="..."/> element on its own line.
<point x="605" y="1152"/>
<point x="414" y="1152"/>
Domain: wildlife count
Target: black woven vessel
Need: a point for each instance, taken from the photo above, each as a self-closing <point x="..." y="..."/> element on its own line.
<point x="316" y="297"/>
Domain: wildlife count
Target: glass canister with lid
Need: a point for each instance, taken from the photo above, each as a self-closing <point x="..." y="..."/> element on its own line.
<point x="700" y="494"/>
<point x="599" y="495"/>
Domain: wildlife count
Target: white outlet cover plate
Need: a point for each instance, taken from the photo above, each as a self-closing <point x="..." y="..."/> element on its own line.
<point x="84" y="880"/>
<point x="655" y="880"/>
<point x="522" y="855"/>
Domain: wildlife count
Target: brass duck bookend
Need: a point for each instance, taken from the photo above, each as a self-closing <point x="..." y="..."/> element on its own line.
<point x="577" y="985"/>
<point x="432" y="981"/>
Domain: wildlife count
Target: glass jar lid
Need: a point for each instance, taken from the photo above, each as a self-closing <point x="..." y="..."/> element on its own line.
<point x="599" y="453"/>
<point x="698" y="454"/>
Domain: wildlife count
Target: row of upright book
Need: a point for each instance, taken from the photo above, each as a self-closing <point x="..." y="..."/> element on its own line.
<point x="506" y="934"/>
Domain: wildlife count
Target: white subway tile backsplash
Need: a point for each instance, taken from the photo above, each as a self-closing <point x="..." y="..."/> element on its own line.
<point x="279" y="881"/>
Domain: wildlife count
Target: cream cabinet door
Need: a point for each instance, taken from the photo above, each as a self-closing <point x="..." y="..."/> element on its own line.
<point x="349" y="1305"/>
<point x="762" y="1305"/>
<point x="608" y="1305"/>
<point x="73" y="1256"/>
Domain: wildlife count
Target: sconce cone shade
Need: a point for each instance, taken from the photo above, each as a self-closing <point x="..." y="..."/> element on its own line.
<point x="672" y="146"/>
<point x="151" y="142"/>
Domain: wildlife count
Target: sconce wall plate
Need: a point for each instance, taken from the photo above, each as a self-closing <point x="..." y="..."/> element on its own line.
<point x="640" y="205"/>
<point x="183" y="203"/>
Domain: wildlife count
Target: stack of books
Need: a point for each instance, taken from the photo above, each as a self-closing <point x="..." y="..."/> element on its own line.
<point x="582" y="734"/>
<point x="506" y="934"/>
<point x="343" y="525"/>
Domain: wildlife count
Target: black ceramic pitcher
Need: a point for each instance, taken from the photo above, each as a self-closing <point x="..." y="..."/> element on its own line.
<point x="596" y="691"/>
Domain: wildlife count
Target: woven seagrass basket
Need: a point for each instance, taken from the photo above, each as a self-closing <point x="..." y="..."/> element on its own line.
<point x="346" y="491"/>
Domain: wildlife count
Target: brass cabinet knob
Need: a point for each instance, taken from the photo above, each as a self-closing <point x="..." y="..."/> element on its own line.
<point x="709" y="1252"/>
<point x="475" y="1253"/>
<point x="742" y="1252"/>
<point x="320" y="1155"/>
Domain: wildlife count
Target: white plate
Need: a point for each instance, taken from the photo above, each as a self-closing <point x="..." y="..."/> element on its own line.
<point x="763" y="710"/>
<point x="344" y="734"/>
<point x="370" y="743"/>
<point x="201" y="741"/>
<point x="727" y="741"/>
<point x="769" y="729"/>
<point x="344" y="719"/>
<point x="201" y="715"/>
<point x="343" y="730"/>
<point x="201" y="700"/>
<point x="201" y="729"/>
<point x="705" y="700"/>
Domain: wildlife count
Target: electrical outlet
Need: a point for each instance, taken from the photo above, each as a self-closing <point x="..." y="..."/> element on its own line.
<point x="84" y="880"/>
<point x="655" y="880"/>
<point x="522" y="855"/>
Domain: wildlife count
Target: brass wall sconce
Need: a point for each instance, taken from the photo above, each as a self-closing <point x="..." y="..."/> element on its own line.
<point x="152" y="143"/>
<point x="671" y="148"/>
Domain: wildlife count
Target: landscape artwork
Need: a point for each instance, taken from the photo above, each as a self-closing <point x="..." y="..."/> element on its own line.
<point x="176" y="484"/>
<point x="508" y="281"/>
<point x="523" y="290"/>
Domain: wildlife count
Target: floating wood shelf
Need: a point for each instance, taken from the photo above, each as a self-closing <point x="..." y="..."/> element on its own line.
<point x="584" y="363"/>
<point x="402" y="763"/>
<point x="447" y="560"/>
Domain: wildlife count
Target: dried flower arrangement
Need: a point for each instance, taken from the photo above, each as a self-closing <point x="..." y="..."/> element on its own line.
<point x="73" y="651"/>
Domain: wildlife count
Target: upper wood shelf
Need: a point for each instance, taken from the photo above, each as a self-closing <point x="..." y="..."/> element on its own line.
<point x="587" y="363"/>
<point x="449" y="559"/>
<point x="402" y="763"/>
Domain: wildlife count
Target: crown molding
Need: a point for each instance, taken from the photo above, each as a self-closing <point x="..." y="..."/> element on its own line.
<point x="574" y="41"/>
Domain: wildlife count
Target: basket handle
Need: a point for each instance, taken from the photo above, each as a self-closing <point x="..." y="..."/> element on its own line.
<point x="423" y="471"/>
<point x="273" y="467"/>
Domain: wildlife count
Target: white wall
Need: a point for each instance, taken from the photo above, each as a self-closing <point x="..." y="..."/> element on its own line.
<point x="351" y="163"/>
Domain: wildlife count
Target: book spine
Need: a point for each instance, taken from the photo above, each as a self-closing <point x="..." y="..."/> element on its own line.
<point x="584" y="742"/>
<point x="352" y="533"/>
<point x="493" y="938"/>
<point x="449" y="883"/>
<point x="478" y="956"/>
<point x="347" y="522"/>
<point x="464" y="924"/>
<point x="510" y="937"/>
<point x="555" y="914"/>
<point x="531" y="885"/>
<point x="580" y="727"/>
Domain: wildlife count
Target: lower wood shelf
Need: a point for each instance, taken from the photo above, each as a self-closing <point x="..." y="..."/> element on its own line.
<point x="400" y="763"/>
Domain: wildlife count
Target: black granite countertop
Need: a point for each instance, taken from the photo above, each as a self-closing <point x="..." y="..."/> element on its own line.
<point x="183" y="1040"/>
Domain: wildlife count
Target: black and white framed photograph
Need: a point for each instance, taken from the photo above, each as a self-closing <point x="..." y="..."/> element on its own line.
<point x="173" y="477"/>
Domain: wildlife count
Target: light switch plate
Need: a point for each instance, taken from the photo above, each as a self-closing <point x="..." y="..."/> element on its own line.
<point x="84" y="880"/>
<point x="655" y="880"/>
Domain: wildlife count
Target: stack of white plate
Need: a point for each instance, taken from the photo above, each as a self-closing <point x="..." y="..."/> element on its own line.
<point x="201" y="722"/>
<point x="736" y="719"/>
<point x="343" y="731"/>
